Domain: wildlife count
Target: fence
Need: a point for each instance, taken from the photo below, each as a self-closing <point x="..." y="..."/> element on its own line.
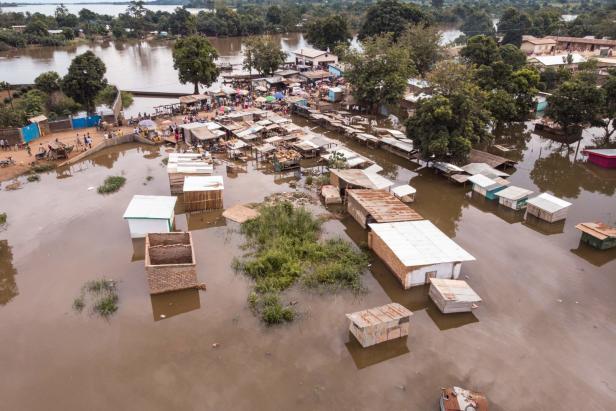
<point x="12" y="135"/>
<point x="59" y="125"/>
<point x="30" y="132"/>
<point x="83" y="122"/>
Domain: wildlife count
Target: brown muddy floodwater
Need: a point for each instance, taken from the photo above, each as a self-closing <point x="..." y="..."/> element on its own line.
<point x="545" y="333"/>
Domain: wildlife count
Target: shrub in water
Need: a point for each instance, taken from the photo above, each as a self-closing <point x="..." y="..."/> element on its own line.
<point x="2" y="218"/>
<point x="33" y="177"/>
<point x="41" y="168"/>
<point x="102" y="294"/>
<point x="111" y="184"/>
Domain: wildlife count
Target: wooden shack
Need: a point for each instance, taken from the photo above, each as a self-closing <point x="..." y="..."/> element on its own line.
<point x="170" y="262"/>
<point x="598" y="235"/>
<point x="181" y="165"/>
<point x="203" y="193"/>
<point x="547" y="207"/>
<point x="405" y="193"/>
<point x="459" y="399"/>
<point x="417" y="251"/>
<point x="150" y="214"/>
<point x="486" y="186"/>
<point x="380" y="324"/>
<point x="513" y="197"/>
<point x="377" y="206"/>
<point x="453" y="296"/>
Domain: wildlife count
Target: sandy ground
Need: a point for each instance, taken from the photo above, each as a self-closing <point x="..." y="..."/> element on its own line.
<point x="24" y="161"/>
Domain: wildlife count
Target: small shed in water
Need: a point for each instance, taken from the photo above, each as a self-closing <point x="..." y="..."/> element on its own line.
<point x="602" y="157"/>
<point x="150" y="214"/>
<point x="405" y="193"/>
<point x="547" y="207"/>
<point x="380" y="324"/>
<point x="203" y="193"/>
<point x="459" y="399"/>
<point x="453" y="296"/>
<point x="170" y="262"/>
<point x="376" y="206"/>
<point x="355" y="178"/>
<point x="513" y="197"/>
<point x="486" y="186"/>
<point x="598" y="235"/>
<point x="416" y="251"/>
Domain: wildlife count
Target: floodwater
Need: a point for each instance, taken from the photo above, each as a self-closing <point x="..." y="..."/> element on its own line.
<point x="544" y="333"/>
<point x="75" y="8"/>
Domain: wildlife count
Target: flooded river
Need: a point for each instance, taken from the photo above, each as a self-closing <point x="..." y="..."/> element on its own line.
<point x="544" y="333"/>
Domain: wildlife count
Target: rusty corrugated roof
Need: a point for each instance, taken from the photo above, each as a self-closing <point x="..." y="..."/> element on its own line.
<point x="600" y="231"/>
<point x="383" y="206"/>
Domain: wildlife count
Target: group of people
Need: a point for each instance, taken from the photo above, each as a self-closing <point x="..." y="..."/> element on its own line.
<point x="6" y="146"/>
<point x="85" y="143"/>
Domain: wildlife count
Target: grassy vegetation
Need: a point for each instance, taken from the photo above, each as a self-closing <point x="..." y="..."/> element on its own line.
<point x="3" y="218"/>
<point x="33" y="177"/>
<point x="102" y="294"/>
<point x="286" y="250"/>
<point x="41" y="168"/>
<point x="111" y="184"/>
<point x="309" y="180"/>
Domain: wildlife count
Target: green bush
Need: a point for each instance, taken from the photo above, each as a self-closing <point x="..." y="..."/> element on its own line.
<point x="111" y="184"/>
<point x="33" y="177"/>
<point x="3" y="218"/>
<point x="41" y="168"/>
<point x="286" y="246"/>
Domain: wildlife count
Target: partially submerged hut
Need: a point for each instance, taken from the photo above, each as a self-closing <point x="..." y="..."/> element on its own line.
<point x="486" y="186"/>
<point x="150" y="214"/>
<point x="354" y="178"/>
<point x="453" y="296"/>
<point x="494" y="161"/>
<point x="602" y="157"/>
<point x="377" y="206"/>
<point x="547" y="207"/>
<point x="170" y="262"/>
<point x="182" y="165"/>
<point x="402" y="148"/>
<point x="598" y="235"/>
<point x="380" y="324"/>
<point x="203" y="193"/>
<point x="405" y="193"/>
<point x="513" y="197"/>
<point x="417" y="251"/>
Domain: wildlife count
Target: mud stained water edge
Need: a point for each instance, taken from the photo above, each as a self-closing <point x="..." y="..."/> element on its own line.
<point x="545" y="297"/>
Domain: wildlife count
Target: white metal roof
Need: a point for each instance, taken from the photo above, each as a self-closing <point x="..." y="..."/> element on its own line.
<point x="548" y="202"/>
<point x="190" y="126"/>
<point x="420" y="242"/>
<point x="446" y="167"/>
<point x="514" y="193"/>
<point x="455" y="290"/>
<point x="559" y="60"/>
<point x="203" y="183"/>
<point x="484" y="182"/>
<point x="483" y="168"/>
<point x="309" y="52"/>
<point x="150" y="207"/>
<point x="607" y="152"/>
<point x="403" y="190"/>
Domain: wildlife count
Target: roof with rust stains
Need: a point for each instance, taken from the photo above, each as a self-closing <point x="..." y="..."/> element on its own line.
<point x="383" y="206"/>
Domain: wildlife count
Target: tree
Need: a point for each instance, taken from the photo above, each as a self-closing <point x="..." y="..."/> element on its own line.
<point x="84" y="80"/>
<point x="380" y="72"/>
<point x="263" y="54"/>
<point x="424" y="45"/>
<point x="37" y="28"/>
<point x="609" y="108"/>
<point x="48" y="82"/>
<point x="480" y="50"/>
<point x="437" y="3"/>
<point x="33" y="103"/>
<point x="327" y="32"/>
<point x="4" y="85"/>
<point x="64" y="18"/>
<point x="512" y="56"/>
<point x="390" y="16"/>
<point x="182" y="22"/>
<point x="477" y="22"/>
<point x="193" y="58"/>
<point x="575" y="103"/>
<point x="273" y="15"/>
<point x="512" y="25"/>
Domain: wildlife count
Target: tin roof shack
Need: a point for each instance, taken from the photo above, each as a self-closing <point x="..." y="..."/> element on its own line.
<point x="602" y="157"/>
<point x="180" y="165"/>
<point x="494" y="161"/>
<point x="486" y="186"/>
<point x="376" y="206"/>
<point x="380" y="324"/>
<point x="354" y="178"/>
<point x="547" y="207"/>
<point x="598" y="235"/>
<point x="453" y="296"/>
<point x="513" y="197"/>
<point x="401" y="148"/>
<point x="459" y="399"/>
<point x="150" y="214"/>
<point x="405" y="193"/>
<point x="416" y="251"/>
<point x="170" y="262"/>
<point x="203" y="193"/>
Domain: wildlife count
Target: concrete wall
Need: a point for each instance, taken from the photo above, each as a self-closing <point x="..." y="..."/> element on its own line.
<point x="129" y="138"/>
<point x="417" y="275"/>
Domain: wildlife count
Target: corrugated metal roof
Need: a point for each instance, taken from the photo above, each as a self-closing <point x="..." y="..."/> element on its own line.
<point x="478" y="156"/>
<point x="383" y="206"/>
<point x="483" y="168"/>
<point x="548" y="202"/>
<point x="379" y="315"/>
<point x="514" y="193"/>
<point x="484" y="182"/>
<point x="455" y="290"/>
<point x="418" y="243"/>
<point x="152" y="207"/>
<point x="600" y="231"/>
<point x="362" y="179"/>
<point x="203" y="183"/>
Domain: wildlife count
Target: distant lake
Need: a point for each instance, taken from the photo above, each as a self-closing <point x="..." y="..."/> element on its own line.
<point x="109" y="9"/>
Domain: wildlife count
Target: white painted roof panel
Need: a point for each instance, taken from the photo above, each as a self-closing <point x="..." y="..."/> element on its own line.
<point x="548" y="202"/>
<point x="514" y="193"/>
<point x="403" y="190"/>
<point x="203" y="183"/>
<point x="154" y="207"/>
